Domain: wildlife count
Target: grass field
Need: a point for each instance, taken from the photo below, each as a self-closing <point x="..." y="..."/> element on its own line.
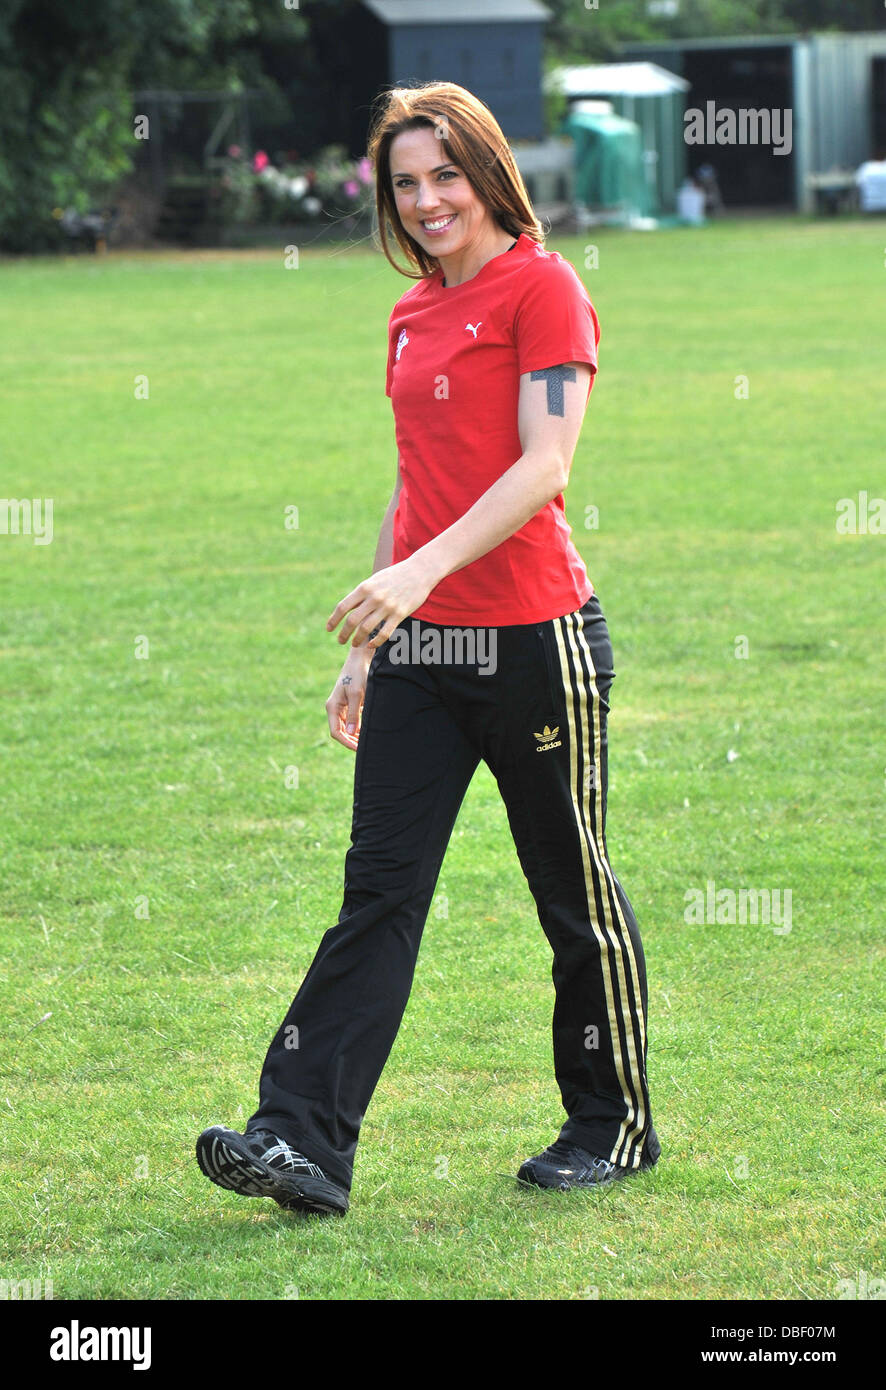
<point x="164" y="889"/>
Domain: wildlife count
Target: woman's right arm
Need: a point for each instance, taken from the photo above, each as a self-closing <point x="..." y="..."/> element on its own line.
<point x="345" y="704"/>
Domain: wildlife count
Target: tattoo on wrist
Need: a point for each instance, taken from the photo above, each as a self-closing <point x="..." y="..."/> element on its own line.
<point x="346" y="680"/>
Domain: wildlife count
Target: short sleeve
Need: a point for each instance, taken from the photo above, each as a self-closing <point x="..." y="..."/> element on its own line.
<point x="555" y="320"/>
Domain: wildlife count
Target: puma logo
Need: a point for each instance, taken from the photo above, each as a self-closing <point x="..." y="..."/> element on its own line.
<point x="470" y="326"/>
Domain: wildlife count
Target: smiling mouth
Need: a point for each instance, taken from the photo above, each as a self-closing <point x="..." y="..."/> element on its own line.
<point x="439" y="224"/>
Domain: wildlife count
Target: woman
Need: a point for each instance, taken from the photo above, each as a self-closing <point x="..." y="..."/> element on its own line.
<point x="478" y="635"/>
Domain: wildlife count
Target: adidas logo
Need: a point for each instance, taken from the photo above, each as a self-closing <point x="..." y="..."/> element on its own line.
<point x="548" y="739"/>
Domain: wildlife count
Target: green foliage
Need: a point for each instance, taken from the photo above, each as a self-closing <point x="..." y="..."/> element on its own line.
<point x="578" y="30"/>
<point x="67" y="73"/>
<point x="238" y="193"/>
<point x="554" y="100"/>
<point x="67" y="151"/>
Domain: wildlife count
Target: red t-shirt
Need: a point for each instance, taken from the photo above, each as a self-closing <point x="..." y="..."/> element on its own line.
<point x="455" y="357"/>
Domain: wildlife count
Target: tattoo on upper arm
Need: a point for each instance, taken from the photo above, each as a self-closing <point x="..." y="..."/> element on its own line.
<point x="555" y="377"/>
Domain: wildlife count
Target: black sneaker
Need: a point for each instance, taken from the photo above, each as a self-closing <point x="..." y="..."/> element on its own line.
<point x="563" y="1165"/>
<point x="261" y="1165"/>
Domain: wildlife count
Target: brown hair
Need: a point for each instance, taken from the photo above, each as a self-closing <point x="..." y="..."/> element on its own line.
<point x="472" y="139"/>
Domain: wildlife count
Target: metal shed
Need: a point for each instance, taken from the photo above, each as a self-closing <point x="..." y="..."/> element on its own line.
<point x="493" y="48"/>
<point x="833" y="86"/>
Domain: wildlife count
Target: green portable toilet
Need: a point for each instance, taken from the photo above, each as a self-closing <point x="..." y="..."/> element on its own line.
<point x="647" y="94"/>
<point x="610" y="175"/>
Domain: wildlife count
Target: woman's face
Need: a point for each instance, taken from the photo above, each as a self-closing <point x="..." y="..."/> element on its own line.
<point x="435" y="201"/>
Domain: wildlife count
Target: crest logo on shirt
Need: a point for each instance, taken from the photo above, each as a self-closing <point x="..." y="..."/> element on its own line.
<point x="473" y="327"/>
<point x="401" y="343"/>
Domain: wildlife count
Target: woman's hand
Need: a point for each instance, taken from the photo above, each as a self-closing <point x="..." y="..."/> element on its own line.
<point x="344" y="706"/>
<point x="382" y="601"/>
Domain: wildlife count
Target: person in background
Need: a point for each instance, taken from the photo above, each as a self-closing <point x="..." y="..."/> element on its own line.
<point x="870" y="180"/>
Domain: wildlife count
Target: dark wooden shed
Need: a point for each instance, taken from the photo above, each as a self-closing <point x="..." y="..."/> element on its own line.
<point x="492" y="47"/>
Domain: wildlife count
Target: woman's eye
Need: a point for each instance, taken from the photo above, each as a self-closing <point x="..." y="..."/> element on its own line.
<point x="444" y="174"/>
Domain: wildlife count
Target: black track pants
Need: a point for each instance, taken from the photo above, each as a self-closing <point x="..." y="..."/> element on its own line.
<point x="538" y="719"/>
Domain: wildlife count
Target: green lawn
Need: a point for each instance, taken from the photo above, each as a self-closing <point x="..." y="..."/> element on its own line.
<point x="164" y="890"/>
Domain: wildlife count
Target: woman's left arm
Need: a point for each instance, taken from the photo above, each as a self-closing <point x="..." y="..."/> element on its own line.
<point x="551" y="409"/>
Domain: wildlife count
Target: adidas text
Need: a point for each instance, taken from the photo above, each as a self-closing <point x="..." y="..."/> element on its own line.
<point x="548" y="739"/>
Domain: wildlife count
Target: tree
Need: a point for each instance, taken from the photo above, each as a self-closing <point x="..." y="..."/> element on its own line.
<point x="68" y="72"/>
<point x="597" y="28"/>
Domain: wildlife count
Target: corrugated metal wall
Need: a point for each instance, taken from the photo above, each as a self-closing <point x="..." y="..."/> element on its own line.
<point x="841" y="96"/>
<point x="832" y="100"/>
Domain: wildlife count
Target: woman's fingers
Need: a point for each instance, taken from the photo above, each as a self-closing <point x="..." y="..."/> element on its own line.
<point x="349" y="740"/>
<point x="342" y="607"/>
<point x="354" y="706"/>
<point x="334" y="712"/>
<point x="363" y="623"/>
<point x="359" y="601"/>
<point x="365" y="609"/>
<point x="372" y="610"/>
<point x="345" y="704"/>
<point x="339" y="714"/>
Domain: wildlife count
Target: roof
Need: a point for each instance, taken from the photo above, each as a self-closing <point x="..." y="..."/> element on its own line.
<point x="619" y="79"/>
<point x="399" y="12"/>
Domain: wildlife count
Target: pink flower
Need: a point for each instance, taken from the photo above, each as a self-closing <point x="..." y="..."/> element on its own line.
<point x="352" y="188"/>
<point x="260" y="161"/>
<point x="234" y="151"/>
<point x="364" y="171"/>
